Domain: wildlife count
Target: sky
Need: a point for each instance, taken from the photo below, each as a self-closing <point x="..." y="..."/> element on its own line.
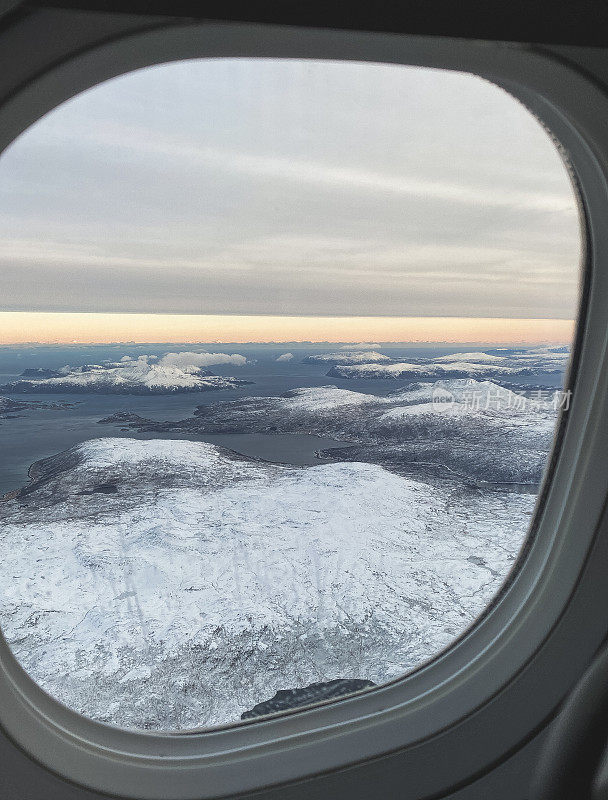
<point x="293" y="192"/>
<point x="58" y="328"/>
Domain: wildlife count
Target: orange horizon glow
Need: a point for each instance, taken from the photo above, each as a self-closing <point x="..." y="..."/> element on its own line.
<point x="22" y="327"/>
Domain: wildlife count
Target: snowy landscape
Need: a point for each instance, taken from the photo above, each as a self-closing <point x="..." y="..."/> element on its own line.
<point x="458" y="365"/>
<point x="174" y="372"/>
<point x="157" y="578"/>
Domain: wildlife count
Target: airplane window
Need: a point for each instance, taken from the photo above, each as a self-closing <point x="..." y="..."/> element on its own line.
<point x="283" y="348"/>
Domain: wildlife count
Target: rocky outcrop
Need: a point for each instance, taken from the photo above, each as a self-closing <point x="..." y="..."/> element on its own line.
<point x="40" y="372"/>
<point x="8" y="406"/>
<point x="285" y="699"/>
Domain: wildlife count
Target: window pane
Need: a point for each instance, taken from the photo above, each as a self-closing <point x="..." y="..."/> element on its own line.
<point x="282" y="346"/>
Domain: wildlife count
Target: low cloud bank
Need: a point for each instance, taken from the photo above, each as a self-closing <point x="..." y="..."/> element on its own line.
<point x="188" y="359"/>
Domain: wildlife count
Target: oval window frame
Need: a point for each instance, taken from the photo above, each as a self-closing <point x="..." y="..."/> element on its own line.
<point x="475" y="691"/>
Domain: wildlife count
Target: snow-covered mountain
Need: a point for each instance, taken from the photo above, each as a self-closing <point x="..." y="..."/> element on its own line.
<point x="361" y="346"/>
<point x="473" y="430"/>
<point x="170" y="584"/>
<point x="507" y="363"/>
<point x="364" y="357"/>
<point x="173" y="373"/>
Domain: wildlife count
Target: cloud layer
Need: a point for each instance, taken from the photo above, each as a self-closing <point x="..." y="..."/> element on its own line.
<point x="289" y="187"/>
<point x="188" y="359"/>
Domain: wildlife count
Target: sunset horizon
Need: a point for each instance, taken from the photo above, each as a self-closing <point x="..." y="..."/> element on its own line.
<point x="62" y="328"/>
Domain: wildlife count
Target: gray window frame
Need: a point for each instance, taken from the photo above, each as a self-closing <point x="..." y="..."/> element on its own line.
<point x="484" y="697"/>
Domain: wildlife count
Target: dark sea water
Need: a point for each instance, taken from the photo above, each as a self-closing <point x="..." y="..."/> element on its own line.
<point x="38" y="433"/>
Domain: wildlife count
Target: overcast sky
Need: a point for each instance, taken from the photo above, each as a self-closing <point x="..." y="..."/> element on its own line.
<point x="289" y="187"/>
